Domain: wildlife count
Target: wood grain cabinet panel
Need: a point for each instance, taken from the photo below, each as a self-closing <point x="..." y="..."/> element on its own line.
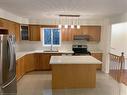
<point x="29" y="62"/>
<point x="44" y="61"/>
<point x="34" y="31"/>
<point x="17" y="32"/>
<point x="94" y="32"/>
<point x="13" y="27"/>
<point x="20" y="70"/>
<point x="99" y="57"/>
<point x="1" y="23"/>
<point x="37" y="61"/>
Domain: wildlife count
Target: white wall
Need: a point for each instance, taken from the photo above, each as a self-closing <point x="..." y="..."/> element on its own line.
<point x="119" y="39"/>
<point x="119" y="35"/>
<point x="105" y="44"/>
<point x="119" y="18"/>
<point x="7" y="15"/>
<point x="56" y="21"/>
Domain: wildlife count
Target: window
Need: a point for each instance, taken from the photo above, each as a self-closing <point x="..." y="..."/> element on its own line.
<point x="51" y="36"/>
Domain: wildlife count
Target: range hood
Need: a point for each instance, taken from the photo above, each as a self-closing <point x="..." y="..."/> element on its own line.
<point x="81" y="37"/>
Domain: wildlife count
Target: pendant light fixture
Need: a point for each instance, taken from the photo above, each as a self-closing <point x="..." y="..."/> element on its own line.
<point x="72" y="23"/>
<point x="78" y="26"/>
<point x="60" y="25"/>
<point x="66" y="22"/>
<point x="65" y="19"/>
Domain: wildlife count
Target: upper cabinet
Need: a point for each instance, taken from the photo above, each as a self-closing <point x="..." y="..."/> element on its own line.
<point x="34" y="33"/>
<point x="94" y="33"/>
<point x="13" y="27"/>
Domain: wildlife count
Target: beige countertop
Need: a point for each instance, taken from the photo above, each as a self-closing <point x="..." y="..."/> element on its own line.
<point x="22" y="53"/>
<point x="74" y="60"/>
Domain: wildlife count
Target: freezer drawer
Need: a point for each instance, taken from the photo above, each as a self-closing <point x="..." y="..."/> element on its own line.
<point x="10" y="88"/>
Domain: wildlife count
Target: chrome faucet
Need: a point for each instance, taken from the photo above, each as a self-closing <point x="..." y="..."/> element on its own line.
<point x="51" y="48"/>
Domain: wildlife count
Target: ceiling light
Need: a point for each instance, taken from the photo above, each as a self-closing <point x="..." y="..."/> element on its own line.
<point x="78" y="26"/>
<point x="72" y="26"/>
<point x="65" y="26"/>
<point x="59" y="26"/>
<point x="67" y="20"/>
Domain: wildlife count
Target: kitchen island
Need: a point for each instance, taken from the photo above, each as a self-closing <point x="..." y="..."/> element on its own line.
<point x="73" y="71"/>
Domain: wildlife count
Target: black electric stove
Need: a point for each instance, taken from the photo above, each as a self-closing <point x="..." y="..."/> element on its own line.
<point x="80" y="50"/>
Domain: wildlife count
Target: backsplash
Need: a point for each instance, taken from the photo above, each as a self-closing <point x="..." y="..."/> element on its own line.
<point x="65" y="46"/>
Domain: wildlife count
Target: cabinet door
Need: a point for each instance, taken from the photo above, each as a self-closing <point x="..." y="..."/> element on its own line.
<point x="17" y="32"/>
<point x="44" y="61"/>
<point x="1" y="23"/>
<point x="99" y="57"/>
<point x="13" y="28"/>
<point x="35" y="34"/>
<point x="64" y="34"/>
<point x="29" y="62"/>
<point x="94" y="32"/>
<point x="37" y="61"/>
<point x="17" y="69"/>
<point x="20" y="70"/>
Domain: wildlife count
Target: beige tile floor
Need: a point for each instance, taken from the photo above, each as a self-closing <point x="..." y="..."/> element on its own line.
<point x="39" y="83"/>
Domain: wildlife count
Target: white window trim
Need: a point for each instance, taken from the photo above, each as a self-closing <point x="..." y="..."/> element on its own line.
<point x="42" y="37"/>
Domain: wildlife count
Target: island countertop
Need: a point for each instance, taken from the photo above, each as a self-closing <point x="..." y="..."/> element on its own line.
<point x="74" y="60"/>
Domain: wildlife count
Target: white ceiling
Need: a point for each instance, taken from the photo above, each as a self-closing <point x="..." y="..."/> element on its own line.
<point x="38" y="9"/>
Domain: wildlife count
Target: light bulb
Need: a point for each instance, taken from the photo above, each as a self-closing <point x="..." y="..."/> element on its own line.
<point x="72" y="26"/>
<point x="59" y="26"/>
<point x="65" y="26"/>
<point x="78" y="26"/>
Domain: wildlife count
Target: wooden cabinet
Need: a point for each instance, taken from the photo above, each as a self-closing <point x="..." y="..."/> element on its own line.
<point x="43" y="60"/>
<point x="24" y="64"/>
<point x="20" y="70"/>
<point x="13" y="27"/>
<point x="99" y="57"/>
<point x="34" y="32"/>
<point x="29" y="62"/>
<point x="1" y="23"/>
<point x="94" y="32"/>
<point x="17" y="32"/>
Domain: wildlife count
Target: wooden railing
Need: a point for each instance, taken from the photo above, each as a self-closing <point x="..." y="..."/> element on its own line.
<point x="116" y="66"/>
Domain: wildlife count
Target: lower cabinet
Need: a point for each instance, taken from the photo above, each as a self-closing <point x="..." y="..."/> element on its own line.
<point x="42" y="60"/>
<point x="20" y="70"/>
<point x="99" y="57"/>
<point x="31" y="62"/>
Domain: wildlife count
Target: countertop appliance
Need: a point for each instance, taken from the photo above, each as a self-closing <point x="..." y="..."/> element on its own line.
<point x="8" y="85"/>
<point x="80" y="50"/>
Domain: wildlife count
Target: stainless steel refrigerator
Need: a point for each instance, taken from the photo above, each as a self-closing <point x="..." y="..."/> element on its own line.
<point x="8" y="85"/>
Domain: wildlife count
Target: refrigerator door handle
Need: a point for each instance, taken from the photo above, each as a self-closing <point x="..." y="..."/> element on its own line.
<point x="11" y="51"/>
<point x="4" y="86"/>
